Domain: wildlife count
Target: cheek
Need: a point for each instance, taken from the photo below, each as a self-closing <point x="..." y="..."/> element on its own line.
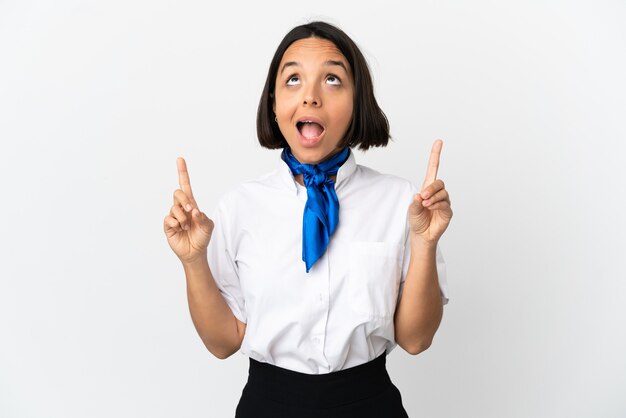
<point x="345" y="113"/>
<point x="283" y="104"/>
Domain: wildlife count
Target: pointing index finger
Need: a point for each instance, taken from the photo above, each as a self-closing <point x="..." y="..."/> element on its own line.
<point x="183" y="177"/>
<point x="433" y="162"/>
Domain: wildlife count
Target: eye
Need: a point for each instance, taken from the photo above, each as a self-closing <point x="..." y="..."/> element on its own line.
<point x="334" y="80"/>
<point x="291" y="78"/>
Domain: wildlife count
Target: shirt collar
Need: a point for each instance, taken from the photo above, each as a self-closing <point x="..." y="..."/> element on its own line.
<point x="344" y="172"/>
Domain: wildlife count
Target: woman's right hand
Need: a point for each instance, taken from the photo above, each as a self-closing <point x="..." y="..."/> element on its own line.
<point x="188" y="230"/>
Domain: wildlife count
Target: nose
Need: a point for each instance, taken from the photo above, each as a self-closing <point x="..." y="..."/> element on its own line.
<point x="310" y="100"/>
<point x="311" y="97"/>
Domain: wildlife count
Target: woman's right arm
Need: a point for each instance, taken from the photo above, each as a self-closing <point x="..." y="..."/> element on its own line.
<point x="188" y="232"/>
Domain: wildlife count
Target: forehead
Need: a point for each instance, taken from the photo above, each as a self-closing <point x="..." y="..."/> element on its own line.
<point x="313" y="48"/>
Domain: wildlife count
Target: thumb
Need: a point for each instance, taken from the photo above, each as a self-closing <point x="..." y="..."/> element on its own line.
<point x="416" y="205"/>
<point x="200" y="219"/>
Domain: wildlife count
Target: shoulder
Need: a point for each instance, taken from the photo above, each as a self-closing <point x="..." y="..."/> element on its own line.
<point x="250" y="191"/>
<point x="384" y="183"/>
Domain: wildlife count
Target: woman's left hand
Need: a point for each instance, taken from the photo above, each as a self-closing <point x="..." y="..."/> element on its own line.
<point x="430" y="213"/>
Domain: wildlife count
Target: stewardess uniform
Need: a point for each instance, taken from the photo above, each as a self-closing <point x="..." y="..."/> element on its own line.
<point x="317" y="332"/>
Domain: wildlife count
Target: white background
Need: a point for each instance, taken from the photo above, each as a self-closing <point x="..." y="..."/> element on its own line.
<point x="97" y="99"/>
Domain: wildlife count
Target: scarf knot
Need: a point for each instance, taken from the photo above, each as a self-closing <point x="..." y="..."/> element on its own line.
<point x="321" y="211"/>
<point x="314" y="177"/>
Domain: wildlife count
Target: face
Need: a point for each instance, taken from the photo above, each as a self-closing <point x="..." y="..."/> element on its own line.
<point x="313" y="99"/>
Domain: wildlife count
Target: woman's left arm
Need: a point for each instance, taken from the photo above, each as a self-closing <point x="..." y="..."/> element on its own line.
<point x="420" y="308"/>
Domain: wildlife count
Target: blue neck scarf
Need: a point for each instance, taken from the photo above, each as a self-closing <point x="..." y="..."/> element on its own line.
<point x="321" y="212"/>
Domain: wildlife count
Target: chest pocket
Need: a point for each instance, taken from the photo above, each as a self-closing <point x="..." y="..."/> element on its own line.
<point x="374" y="277"/>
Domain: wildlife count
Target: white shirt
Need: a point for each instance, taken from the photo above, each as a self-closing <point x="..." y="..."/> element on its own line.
<point x="338" y="315"/>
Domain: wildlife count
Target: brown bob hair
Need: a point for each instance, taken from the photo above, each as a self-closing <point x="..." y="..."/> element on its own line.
<point x="369" y="126"/>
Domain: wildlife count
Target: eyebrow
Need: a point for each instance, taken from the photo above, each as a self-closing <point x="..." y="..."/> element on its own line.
<point x="326" y="63"/>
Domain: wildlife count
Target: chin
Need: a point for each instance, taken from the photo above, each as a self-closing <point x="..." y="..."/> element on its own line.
<point x="311" y="155"/>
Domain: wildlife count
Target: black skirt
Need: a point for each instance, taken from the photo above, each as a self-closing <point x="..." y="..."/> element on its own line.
<point x="361" y="391"/>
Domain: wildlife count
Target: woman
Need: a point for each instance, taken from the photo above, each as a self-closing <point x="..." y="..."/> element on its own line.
<point x="316" y="271"/>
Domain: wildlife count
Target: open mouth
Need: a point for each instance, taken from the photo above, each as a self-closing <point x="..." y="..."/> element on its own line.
<point x="310" y="129"/>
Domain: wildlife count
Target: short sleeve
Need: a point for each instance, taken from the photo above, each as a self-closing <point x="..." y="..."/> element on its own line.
<point x="441" y="265"/>
<point x="220" y="255"/>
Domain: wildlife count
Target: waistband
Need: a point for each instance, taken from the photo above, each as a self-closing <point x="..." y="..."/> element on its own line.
<point x="318" y="390"/>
